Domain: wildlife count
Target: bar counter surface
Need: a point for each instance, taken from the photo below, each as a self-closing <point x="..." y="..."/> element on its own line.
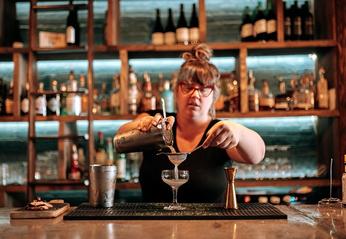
<point x="304" y="221"/>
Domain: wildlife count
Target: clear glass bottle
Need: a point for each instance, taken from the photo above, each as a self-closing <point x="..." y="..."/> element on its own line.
<point x="41" y="102"/>
<point x="148" y="101"/>
<point x="266" y="98"/>
<point x="253" y="93"/>
<point x="133" y="93"/>
<point x="84" y="96"/>
<point x="110" y="151"/>
<point x="282" y="99"/>
<point x="121" y="167"/>
<point x="101" y="150"/>
<point x="24" y="100"/>
<point x="73" y="99"/>
<point x="103" y="99"/>
<point x="115" y="95"/>
<point x="168" y="96"/>
<point x="53" y="100"/>
<point x="322" y="90"/>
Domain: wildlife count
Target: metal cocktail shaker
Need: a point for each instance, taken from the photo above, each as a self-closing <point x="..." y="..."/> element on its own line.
<point x="136" y="140"/>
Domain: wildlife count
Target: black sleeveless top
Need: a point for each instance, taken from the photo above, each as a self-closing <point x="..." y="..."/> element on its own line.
<point x="207" y="182"/>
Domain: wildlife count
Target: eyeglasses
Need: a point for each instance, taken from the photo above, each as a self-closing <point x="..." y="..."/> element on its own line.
<point x="189" y="89"/>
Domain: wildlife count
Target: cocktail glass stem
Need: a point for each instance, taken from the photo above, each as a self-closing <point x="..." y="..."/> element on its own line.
<point x="175" y="193"/>
<point x="176" y="174"/>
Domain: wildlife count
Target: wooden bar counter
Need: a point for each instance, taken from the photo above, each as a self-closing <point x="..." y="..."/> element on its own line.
<point x="304" y="221"/>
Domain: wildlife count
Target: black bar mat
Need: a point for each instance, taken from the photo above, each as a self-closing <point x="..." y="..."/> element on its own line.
<point x="155" y="211"/>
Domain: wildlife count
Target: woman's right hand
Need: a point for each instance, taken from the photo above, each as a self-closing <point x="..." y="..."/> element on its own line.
<point x="146" y="122"/>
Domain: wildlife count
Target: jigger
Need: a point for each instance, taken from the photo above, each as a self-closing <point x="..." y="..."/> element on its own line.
<point x="230" y="196"/>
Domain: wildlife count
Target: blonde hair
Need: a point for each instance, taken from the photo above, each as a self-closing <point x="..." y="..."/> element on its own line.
<point x="198" y="69"/>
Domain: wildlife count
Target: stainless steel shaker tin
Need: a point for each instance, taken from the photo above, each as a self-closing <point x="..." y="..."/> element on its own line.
<point x="102" y="185"/>
<point x="136" y="140"/>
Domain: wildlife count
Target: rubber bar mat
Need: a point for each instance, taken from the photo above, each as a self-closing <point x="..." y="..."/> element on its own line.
<point x="155" y="211"/>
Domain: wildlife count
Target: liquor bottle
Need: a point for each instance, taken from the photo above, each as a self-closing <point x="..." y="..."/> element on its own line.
<point x="75" y="173"/>
<point x="182" y="31"/>
<point x="104" y="99"/>
<point x="287" y="23"/>
<point x="266" y="98"/>
<point x="282" y="99"/>
<point x="72" y="27"/>
<point x="115" y="96"/>
<point x="63" y="97"/>
<point x="246" y="27"/>
<point x="305" y="95"/>
<point x="194" y="26"/>
<point x="296" y="21"/>
<point x="253" y="93"/>
<point x="148" y="101"/>
<point x="101" y="151"/>
<point x="307" y="22"/>
<point x="73" y="100"/>
<point x="121" y="167"/>
<point x="260" y="24"/>
<point x="168" y="96"/>
<point x="271" y="22"/>
<point x="9" y="100"/>
<point x="110" y="151"/>
<point x="169" y="35"/>
<point x="53" y="100"/>
<point x="133" y="93"/>
<point x="157" y="36"/>
<point x="322" y="90"/>
<point x="96" y="104"/>
<point x="40" y="102"/>
<point x="343" y="180"/>
<point x="84" y="96"/>
<point x="24" y="100"/>
<point x="3" y="92"/>
<point x="232" y="88"/>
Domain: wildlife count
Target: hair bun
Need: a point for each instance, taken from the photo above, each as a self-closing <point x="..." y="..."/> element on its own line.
<point x="200" y="52"/>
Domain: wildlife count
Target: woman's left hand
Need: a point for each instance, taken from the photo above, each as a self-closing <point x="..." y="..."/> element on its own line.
<point x="223" y="135"/>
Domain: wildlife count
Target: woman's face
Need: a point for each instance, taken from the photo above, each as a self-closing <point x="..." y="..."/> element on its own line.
<point x="194" y="100"/>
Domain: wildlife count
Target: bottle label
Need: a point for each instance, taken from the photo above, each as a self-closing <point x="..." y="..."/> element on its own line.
<point x="70" y="35"/>
<point x="9" y="106"/>
<point x="182" y="35"/>
<point x="169" y="38"/>
<point x="53" y="104"/>
<point x="246" y="30"/>
<point x="271" y="26"/>
<point x="24" y="105"/>
<point x="157" y="38"/>
<point x="194" y="34"/>
<point x="41" y="106"/>
<point x="73" y="104"/>
<point x="260" y="26"/>
<point x="297" y="26"/>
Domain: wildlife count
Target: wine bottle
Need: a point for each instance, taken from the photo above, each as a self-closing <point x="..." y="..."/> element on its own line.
<point x="307" y="22"/>
<point x="41" y="103"/>
<point x="296" y="21"/>
<point x="157" y="36"/>
<point x="169" y="35"/>
<point x="53" y="100"/>
<point x="271" y="22"/>
<point x="9" y="100"/>
<point x="72" y="27"/>
<point x="101" y="152"/>
<point x="194" y="26"/>
<point x="260" y="24"/>
<point x="182" y="30"/>
<point x="287" y="23"/>
<point x="246" y="27"/>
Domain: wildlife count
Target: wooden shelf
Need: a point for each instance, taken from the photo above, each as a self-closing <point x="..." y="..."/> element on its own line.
<point x="263" y="114"/>
<point x="61" y="118"/>
<point x="311" y="182"/>
<point x="113" y="117"/>
<point x="62" y="7"/>
<point x="10" y="118"/>
<point x="66" y="137"/>
<point x="10" y="50"/>
<point x="50" y="92"/>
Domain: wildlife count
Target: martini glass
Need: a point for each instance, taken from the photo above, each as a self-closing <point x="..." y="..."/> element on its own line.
<point x="175" y="181"/>
<point x="330" y="206"/>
